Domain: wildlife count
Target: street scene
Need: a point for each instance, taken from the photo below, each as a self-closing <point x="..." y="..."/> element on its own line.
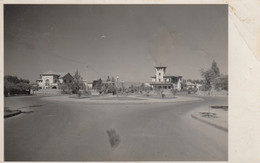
<point x="116" y="83"/>
<point x="54" y="130"/>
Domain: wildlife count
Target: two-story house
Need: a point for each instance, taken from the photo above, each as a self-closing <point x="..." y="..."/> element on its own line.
<point x="52" y="79"/>
<point x="161" y="80"/>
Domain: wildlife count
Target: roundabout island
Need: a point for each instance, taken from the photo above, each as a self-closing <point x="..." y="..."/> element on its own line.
<point x="123" y="99"/>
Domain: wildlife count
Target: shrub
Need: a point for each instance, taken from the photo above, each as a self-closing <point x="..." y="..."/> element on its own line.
<point x="86" y="92"/>
<point x="79" y="94"/>
<point x="66" y="88"/>
<point x="13" y="85"/>
<point x="163" y="95"/>
<point x="174" y="91"/>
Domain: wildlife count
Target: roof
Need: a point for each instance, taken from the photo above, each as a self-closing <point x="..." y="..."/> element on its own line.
<point x="168" y="75"/>
<point x="50" y="73"/>
<point x="62" y="74"/>
<point x="160" y="67"/>
<point x="161" y="83"/>
<point x="108" y="82"/>
<point x="189" y="83"/>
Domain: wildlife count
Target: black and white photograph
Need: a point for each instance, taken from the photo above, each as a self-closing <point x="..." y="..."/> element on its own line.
<point x="116" y="82"/>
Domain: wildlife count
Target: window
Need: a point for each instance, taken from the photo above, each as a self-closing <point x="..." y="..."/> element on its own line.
<point x="65" y="81"/>
<point x="47" y="82"/>
<point x="159" y="74"/>
<point x="159" y="80"/>
<point x="70" y="81"/>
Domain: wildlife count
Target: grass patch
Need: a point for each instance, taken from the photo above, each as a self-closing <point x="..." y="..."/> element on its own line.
<point x="160" y="97"/>
<point x="120" y="98"/>
<point x="32" y="106"/>
<point x="225" y="108"/>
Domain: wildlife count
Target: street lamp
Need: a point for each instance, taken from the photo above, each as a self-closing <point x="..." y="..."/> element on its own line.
<point x="117" y="86"/>
<point x="122" y="85"/>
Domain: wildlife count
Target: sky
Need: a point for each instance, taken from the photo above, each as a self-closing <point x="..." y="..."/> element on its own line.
<point x="127" y="41"/>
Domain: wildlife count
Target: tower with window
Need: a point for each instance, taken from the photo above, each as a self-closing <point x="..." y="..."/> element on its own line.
<point x="160" y="72"/>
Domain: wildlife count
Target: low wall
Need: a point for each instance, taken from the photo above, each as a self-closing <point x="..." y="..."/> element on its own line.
<point x="48" y="92"/>
<point x="212" y="93"/>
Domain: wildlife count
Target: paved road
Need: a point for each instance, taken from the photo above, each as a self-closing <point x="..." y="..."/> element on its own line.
<point x="68" y="131"/>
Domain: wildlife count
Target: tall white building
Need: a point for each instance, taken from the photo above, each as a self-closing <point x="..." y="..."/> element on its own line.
<point x="161" y="80"/>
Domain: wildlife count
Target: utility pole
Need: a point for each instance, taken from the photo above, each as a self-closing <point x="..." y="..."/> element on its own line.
<point x="117" y="85"/>
<point x="123" y="87"/>
<point x="87" y="78"/>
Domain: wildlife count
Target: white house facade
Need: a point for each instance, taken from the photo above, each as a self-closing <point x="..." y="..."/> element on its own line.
<point x="51" y="80"/>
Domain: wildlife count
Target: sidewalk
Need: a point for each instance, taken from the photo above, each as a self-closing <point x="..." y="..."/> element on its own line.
<point x="10" y="113"/>
<point x="215" y="115"/>
<point x="19" y="104"/>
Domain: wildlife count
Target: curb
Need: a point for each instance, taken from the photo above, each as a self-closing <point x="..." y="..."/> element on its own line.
<point x="209" y="123"/>
<point x="16" y="112"/>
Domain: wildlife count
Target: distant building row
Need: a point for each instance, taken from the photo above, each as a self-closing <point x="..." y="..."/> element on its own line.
<point x="161" y="80"/>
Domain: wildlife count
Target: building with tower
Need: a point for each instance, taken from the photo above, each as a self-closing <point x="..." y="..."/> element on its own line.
<point x="161" y="80"/>
<point x="51" y="80"/>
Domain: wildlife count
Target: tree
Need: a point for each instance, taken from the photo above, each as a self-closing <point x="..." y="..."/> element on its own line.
<point x="215" y="68"/>
<point x="77" y="84"/>
<point x="142" y="87"/>
<point x="174" y="91"/>
<point x="132" y="88"/>
<point x="123" y="87"/>
<point x="11" y="79"/>
<point x="13" y="85"/>
<point x="8" y="87"/>
<point x="113" y="80"/>
<point x="210" y="75"/>
<point x="34" y="86"/>
<point x="183" y="84"/>
<point x="108" y="79"/>
<point x="66" y="87"/>
<point x="221" y="82"/>
<point x="97" y="84"/>
<point x="111" y="88"/>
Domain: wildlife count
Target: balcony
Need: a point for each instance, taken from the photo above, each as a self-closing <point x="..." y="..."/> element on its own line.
<point x="164" y="83"/>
